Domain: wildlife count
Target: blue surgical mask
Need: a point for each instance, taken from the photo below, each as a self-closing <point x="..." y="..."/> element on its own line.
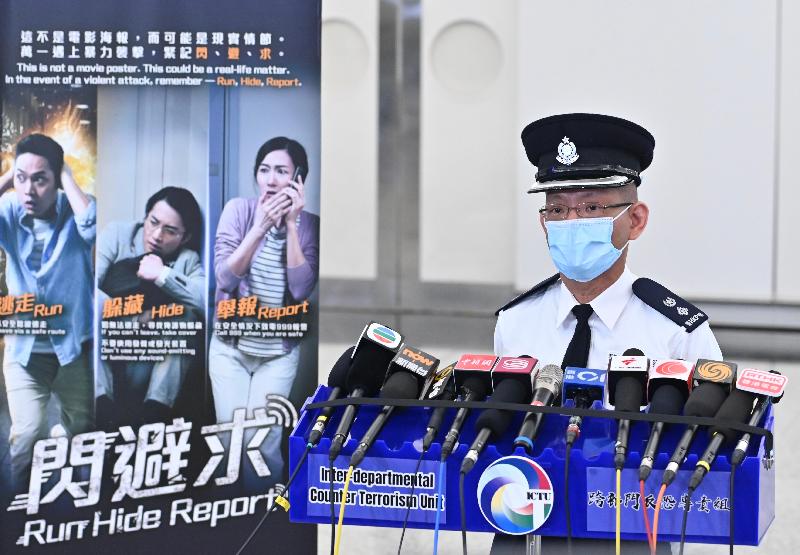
<point x="582" y="249"/>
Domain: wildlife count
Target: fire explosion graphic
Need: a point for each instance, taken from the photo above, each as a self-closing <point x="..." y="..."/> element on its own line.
<point x="66" y="123"/>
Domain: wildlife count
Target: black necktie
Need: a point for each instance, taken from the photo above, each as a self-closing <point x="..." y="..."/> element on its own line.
<point x="578" y="350"/>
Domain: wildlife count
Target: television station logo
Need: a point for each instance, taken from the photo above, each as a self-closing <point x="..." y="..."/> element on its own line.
<point x="515" y="495"/>
<point x="476" y="362"/>
<point x="384" y="335"/>
<point x="627" y="363"/>
<point x="439" y="382"/>
<point x="585" y="375"/>
<point x="416" y="360"/>
<point x="674" y="368"/>
<point x="715" y="370"/>
<point x="761" y="382"/>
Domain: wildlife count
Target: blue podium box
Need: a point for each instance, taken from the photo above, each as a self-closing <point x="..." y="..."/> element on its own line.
<point x="379" y="493"/>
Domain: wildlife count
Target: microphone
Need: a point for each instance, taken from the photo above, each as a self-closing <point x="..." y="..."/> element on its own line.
<point x="667" y="389"/>
<point x="751" y="385"/>
<point x="736" y="407"/>
<point x="711" y="383"/>
<point x="474" y="379"/>
<point x="627" y="378"/>
<point x="336" y="381"/>
<point x="415" y="362"/>
<point x="584" y="386"/>
<point x="443" y="387"/>
<point x="771" y="386"/>
<point x="405" y="380"/>
<point x="374" y="351"/>
<point x="547" y="388"/>
<point x="741" y="448"/>
<point x="511" y="385"/>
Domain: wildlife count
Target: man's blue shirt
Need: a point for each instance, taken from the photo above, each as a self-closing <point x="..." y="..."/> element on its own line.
<point x="65" y="276"/>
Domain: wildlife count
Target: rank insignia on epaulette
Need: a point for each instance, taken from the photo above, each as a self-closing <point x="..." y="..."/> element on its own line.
<point x="679" y="310"/>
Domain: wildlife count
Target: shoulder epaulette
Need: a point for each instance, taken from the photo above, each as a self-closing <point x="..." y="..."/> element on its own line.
<point x="535" y="289"/>
<point x="658" y="297"/>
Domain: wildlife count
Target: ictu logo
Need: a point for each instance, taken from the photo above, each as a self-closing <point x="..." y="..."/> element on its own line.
<point x="515" y="495"/>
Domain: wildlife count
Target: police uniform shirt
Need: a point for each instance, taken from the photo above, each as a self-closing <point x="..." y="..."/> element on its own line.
<point x="543" y="324"/>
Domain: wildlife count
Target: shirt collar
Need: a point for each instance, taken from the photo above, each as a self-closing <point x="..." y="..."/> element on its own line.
<point x="608" y="305"/>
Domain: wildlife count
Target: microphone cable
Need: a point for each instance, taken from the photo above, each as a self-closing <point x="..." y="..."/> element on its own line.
<point x="730" y="524"/>
<point x="333" y="506"/>
<point x="279" y="501"/>
<point x="439" y="507"/>
<point x="647" y="531"/>
<point x="341" y="510"/>
<point x="461" y="477"/>
<point x="659" y="499"/>
<point x="566" y="498"/>
<point x="411" y="496"/>
<point x="619" y="512"/>
<point x="686" y="507"/>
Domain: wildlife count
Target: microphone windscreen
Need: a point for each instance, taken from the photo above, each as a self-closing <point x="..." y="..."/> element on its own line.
<point x="478" y="385"/>
<point x="400" y="385"/>
<point x="369" y="369"/>
<point x="508" y="390"/>
<point x="338" y="375"/>
<point x="738" y="407"/>
<point x="629" y="393"/>
<point x="705" y="400"/>
<point x="667" y="399"/>
<point x="633" y="352"/>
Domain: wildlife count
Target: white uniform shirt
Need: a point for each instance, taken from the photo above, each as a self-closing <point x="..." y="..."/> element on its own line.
<point x="542" y="326"/>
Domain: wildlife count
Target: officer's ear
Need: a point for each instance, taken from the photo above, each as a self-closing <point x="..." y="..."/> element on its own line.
<point x="639" y="213"/>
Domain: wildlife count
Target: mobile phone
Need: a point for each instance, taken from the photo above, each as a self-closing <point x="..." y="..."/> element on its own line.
<point x="297" y="171"/>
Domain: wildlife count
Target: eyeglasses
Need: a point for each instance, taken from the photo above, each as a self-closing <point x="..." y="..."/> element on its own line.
<point x="167" y="231"/>
<point x="556" y="212"/>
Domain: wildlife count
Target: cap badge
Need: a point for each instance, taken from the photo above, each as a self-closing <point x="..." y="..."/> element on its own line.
<point x="567" y="153"/>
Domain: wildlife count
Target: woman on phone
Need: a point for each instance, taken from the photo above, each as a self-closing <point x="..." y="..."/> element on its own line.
<point x="267" y="247"/>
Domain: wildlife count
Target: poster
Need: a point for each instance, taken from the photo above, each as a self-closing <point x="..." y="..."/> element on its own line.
<point x="159" y="226"/>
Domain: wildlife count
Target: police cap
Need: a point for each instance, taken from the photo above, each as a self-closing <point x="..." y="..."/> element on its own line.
<point x="586" y="151"/>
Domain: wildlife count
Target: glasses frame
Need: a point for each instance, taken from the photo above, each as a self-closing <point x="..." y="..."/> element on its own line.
<point x="165" y="229"/>
<point x="578" y="208"/>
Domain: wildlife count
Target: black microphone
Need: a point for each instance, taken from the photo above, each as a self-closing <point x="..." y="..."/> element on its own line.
<point x="405" y="381"/>
<point x="336" y="381"/>
<point x="769" y="386"/>
<point x="627" y="378"/>
<point x="509" y="387"/>
<point x="584" y="386"/>
<point x="442" y="387"/>
<point x="711" y="383"/>
<point x="741" y="448"/>
<point x="736" y="407"/>
<point x="668" y="388"/>
<point x="473" y="378"/>
<point x="374" y="351"/>
<point x="547" y="388"/>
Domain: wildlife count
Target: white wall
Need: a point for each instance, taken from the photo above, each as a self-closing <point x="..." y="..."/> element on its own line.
<point x="788" y="199"/>
<point x="467" y="142"/>
<point x="349" y="138"/>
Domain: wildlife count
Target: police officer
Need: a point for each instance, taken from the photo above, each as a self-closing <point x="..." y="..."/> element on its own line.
<point x="589" y="167"/>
